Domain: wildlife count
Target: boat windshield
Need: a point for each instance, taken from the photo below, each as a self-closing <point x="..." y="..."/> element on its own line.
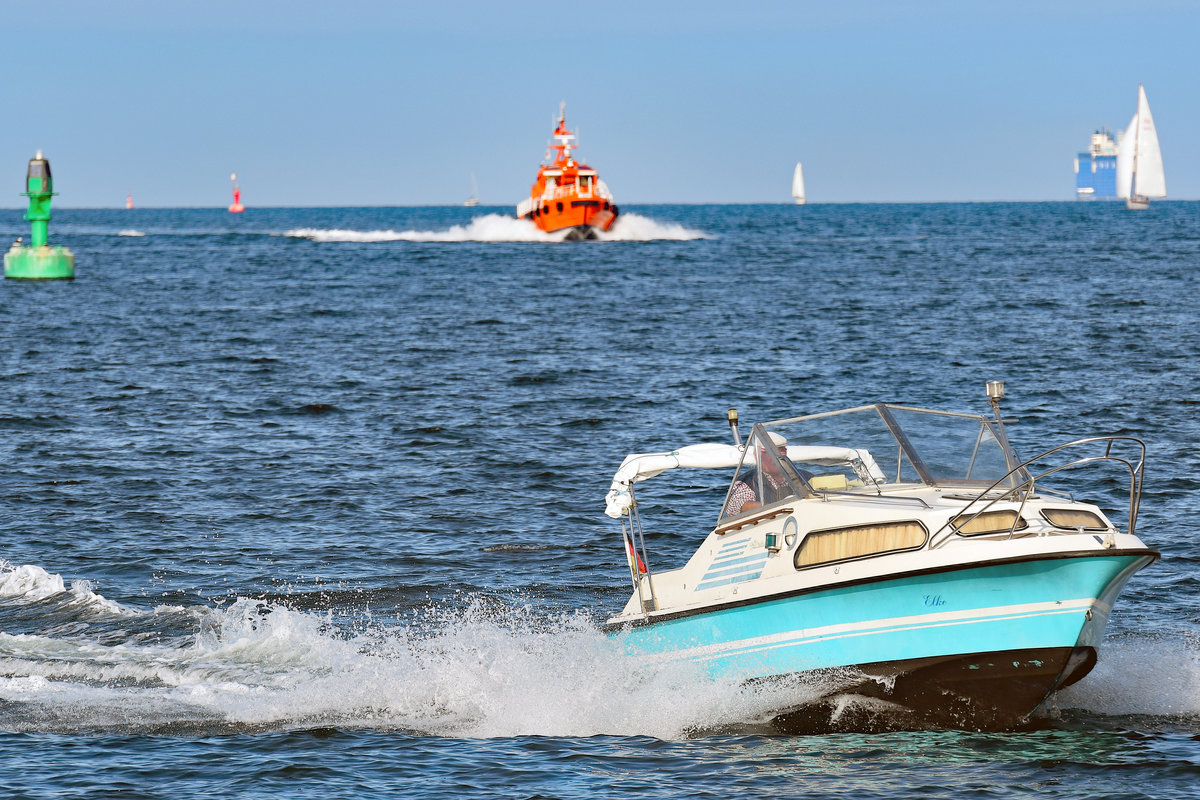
<point x="954" y="448"/>
<point x="868" y="450"/>
<point x="765" y="477"/>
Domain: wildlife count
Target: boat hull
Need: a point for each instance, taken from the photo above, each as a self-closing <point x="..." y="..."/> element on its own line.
<point x="975" y="646"/>
<point x="584" y="217"/>
<point x="581" y="233"/>
<point x="977" y="691"/>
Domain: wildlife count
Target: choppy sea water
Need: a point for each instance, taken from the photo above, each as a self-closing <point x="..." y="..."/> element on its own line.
<point x="308" y="502"/>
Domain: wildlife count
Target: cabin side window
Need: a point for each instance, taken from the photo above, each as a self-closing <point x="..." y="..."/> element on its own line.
<point x="858" y="541"/>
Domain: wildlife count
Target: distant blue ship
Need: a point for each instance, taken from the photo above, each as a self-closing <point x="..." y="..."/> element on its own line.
<point x="1096" y="169"/>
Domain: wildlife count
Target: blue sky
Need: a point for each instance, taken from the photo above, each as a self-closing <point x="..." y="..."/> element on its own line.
<point x="379" y="102"/>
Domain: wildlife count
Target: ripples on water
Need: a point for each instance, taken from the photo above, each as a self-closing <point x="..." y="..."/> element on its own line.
<point x="312" y="498"/>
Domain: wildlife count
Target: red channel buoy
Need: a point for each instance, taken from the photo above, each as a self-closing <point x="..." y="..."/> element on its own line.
<point x="237" y="206"/>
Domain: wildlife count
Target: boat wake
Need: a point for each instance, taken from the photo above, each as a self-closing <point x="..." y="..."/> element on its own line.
<point x="631" y="227"/>
<point x="501" y="228"/>
<point x="469" y="671"/>
<point x="474" y="670"/>
<point x="1153" y="675"/>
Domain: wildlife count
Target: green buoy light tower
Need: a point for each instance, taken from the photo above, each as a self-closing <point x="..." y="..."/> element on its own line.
<point x="38" y="261"/>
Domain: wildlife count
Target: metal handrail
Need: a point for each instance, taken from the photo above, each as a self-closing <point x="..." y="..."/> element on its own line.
<point x="635" y="542"/>
<point x="1027" y="487"/>
<point x="565" y="189"/>
<point x="825" y="494"/>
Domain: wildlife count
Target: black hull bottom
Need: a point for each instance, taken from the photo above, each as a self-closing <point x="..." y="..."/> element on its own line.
<point x="989" y="691"/>
<point x="581" y="233"/>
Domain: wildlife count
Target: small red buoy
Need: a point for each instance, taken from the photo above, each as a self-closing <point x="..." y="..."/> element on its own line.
<point x="129" y="200"/>
<point x="237" y="206"/>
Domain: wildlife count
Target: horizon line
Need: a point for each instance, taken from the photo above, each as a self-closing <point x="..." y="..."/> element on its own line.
<point x="1072" y="201"/>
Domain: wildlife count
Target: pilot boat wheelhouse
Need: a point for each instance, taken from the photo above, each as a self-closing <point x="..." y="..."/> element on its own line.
<point x="908" y="552"/>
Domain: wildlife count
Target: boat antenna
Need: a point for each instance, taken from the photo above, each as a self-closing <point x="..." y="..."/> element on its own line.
<point x="733" y="426"/>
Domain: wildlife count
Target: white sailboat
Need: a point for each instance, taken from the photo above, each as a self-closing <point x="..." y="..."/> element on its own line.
<point x="798" y="184"/>
<point x="1139" y="159"/>
<point x="473" y="200"/>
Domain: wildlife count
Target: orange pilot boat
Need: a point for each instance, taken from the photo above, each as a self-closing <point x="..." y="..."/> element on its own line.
<point x="568" y="194"/>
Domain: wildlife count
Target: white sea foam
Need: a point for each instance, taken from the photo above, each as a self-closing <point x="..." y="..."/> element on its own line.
<point x="474" y="671"/>
<point x="466" y="673"/>
<point x="501" y="228"/>
<point x="31" y="583"/>
<point x="488" y="228"/>
<point x="636" y="228"/>
<point x="1155" y="675"/>
<point x="131" y="232"/>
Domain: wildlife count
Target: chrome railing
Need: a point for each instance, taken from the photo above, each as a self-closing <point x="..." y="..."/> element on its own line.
<point x="1002" y="491"/>
<point x="635" y="552"/>
<point x="566" y="189"/>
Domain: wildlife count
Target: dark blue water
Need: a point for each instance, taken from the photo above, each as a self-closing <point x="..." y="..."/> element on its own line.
<point x="308" y="502"/>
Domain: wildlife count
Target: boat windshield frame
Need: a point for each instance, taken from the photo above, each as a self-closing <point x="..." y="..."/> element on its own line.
<point x="762" y="454"/>
<point x="889" y="413"/>
<point x="928" y="448"/>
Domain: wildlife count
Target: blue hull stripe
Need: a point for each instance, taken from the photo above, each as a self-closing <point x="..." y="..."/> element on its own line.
<point x="732" y="565"/>
<point x="754" y="559"/>
<point x="741" y="578"/>
<point x="739" y="559"/>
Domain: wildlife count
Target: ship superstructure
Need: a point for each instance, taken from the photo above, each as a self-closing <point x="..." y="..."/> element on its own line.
<point x="1096" y="169"/>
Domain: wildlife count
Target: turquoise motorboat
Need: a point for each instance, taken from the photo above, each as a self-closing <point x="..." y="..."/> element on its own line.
<point x="905" y="556"/>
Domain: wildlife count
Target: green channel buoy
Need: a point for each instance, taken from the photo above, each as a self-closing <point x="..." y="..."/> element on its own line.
<point x="38" y="261"/>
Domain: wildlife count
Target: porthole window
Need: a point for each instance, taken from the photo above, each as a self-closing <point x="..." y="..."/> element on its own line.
<point x="1002" y="521"/>
<point x="1074" y="519"/>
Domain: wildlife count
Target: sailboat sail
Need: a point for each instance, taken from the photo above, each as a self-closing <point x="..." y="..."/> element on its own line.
<point x="473" y="200"/>
<point x="1148" y="178"/>
<point x="798" y="184"/>
<point x="1125" y="159"/>
<point x="1139" y="159"/>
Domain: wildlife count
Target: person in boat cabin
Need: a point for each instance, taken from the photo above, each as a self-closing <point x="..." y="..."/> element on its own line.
<point x="744" y="494"/>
